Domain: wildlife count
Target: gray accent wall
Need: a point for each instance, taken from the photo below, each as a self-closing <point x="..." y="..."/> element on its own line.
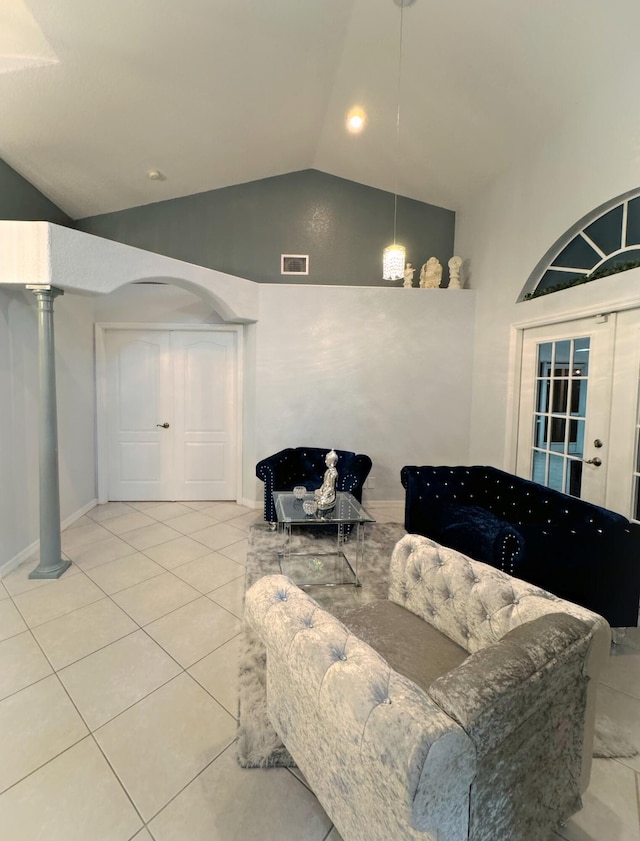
<point x="20" y="200"/>
<point x="242" y="230"/>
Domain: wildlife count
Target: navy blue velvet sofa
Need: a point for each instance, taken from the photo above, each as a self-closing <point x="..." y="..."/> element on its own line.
<point x="579" y="551"/>
<point x="306" y="466"/>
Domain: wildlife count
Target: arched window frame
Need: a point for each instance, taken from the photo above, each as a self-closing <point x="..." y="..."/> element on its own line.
<point x="548" y="266"/>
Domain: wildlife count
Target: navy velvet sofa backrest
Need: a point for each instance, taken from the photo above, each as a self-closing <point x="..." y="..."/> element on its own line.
<point x="579" y="551"/>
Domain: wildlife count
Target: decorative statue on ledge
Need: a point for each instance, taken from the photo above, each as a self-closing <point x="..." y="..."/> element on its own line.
<point x="455" y="264"/>
<point x="408" y="275"/>
<point x="431" y="274"/>
<point x="326" y="493"/>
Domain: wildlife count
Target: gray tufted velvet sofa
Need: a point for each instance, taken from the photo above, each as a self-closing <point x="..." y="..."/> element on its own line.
<point x="496" y="743"/>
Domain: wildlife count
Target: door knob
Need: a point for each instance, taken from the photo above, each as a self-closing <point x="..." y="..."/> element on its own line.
<point x="164" y="425"/>
<point x="596" y="462"/>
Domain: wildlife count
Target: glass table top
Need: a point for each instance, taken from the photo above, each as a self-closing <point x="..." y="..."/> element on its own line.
<point x="347" y="509"/>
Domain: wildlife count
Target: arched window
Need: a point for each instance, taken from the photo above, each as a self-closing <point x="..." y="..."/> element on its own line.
<point x="603" y="242"/>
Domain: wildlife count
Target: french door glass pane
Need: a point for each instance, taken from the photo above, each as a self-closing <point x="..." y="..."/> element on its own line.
<point x="539" y="470"/>
<point x="542" y="400"/>
<point x="556" y="469"/>
<point x="581" y="350"/>
<point x="545" y="357"/>
<point x="635" y="513"/>
<point x="559" y="390"/>
<point x="573" y="478"/>
<point x="560" y="414"/>
<point x="541" y="426"/>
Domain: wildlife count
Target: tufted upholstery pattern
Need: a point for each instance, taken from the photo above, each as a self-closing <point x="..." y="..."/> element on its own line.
<point x="579" y="551"/>
<point x="306" y="466"/>
<point x="473" y="604"/>
<point x="389" y="760"/>
<point x="326" y="688"/>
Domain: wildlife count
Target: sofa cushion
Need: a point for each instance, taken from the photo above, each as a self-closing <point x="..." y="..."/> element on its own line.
<point x="410" y="645"/>
<point x="480" y="534"/>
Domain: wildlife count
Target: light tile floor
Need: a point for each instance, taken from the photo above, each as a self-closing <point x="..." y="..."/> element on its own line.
<point x="118" y="695"/>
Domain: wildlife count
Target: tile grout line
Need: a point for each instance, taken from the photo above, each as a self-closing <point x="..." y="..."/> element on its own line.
<point x="183" y="670"/>
<point x="621" y="691"/>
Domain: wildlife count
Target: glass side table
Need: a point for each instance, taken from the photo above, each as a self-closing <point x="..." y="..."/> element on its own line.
<point x="314" y="555"/>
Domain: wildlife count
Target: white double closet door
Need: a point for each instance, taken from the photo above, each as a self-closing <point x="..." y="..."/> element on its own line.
<point x="171" y="414"/>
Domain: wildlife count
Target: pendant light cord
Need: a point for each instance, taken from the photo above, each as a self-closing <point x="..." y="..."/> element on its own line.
<point x="395" y="194"/>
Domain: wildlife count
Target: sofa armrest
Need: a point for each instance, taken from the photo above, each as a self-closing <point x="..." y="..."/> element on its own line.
<point x="477" y="532"/>
<point x="354" y="474"/>
<point x="369" y="741"/>
<point x="499" y="687"/>
<point x="268" y="469"/>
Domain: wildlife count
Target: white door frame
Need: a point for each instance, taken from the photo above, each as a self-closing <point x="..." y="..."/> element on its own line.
<point x="516" y="340"/>
<point x="618" y="312"/>
<point x="101" y="391"/>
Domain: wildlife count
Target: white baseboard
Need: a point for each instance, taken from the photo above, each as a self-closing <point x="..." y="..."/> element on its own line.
<point x="28" y="551"/>
<point x="250" y="503"/>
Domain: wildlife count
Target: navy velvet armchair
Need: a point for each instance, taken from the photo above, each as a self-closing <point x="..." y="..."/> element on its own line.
<point x="579" y="551"/>
<point x="306" y="466"/>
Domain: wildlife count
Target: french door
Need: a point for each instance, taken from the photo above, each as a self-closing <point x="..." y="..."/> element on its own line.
<point x="171" y="402"/>
<point x="578" y="411"/>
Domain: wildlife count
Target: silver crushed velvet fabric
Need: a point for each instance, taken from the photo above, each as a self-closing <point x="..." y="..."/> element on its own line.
<point x="475" y="605"/>
<point x="383" y="759"/>
<point x="258" y="745"/>
<point x="493" y="751"/>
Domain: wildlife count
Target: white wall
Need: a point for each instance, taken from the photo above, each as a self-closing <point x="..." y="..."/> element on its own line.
<point x="386" y="372"/>
<point x="593" y="157"/>
<point x="19" y="502"/>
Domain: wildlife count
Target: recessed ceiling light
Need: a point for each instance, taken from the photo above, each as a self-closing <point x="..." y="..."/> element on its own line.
<point x="356" y="120"/>
<point x="156" y="175"/>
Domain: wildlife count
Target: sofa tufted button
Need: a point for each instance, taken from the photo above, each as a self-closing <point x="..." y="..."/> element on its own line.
<point x="516" y="601"/>
<point x="488" y="617"/>
<point x="387" y="701"/>
<point x="343" y="656"/>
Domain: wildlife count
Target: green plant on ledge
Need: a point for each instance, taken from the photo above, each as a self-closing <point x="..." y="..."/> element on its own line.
<point x="580" y="279"/>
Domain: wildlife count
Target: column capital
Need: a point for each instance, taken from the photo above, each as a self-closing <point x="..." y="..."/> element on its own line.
<point x="43" y="289"/>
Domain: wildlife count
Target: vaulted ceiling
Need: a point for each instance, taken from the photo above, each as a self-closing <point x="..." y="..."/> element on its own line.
<point x="218" y="92"/>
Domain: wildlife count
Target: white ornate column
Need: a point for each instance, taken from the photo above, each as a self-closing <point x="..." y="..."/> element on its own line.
<point x="51" y="564"/>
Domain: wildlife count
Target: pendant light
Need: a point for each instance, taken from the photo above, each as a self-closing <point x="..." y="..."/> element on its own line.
<point x="393" y="256"/>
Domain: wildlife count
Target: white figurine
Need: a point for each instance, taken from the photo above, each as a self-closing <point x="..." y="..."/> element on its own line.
<point x="431" y="274"/>
<point x="408" y="275"/>
<point x="455" y="264"/>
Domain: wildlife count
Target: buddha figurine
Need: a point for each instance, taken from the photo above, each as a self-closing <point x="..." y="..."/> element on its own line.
<point x="325" y="495"/>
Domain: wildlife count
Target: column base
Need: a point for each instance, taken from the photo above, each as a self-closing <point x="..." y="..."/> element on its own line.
<point x="56" y="571"/>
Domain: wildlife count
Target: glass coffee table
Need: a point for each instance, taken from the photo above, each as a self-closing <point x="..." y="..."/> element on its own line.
<point x="320" y="550"/>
